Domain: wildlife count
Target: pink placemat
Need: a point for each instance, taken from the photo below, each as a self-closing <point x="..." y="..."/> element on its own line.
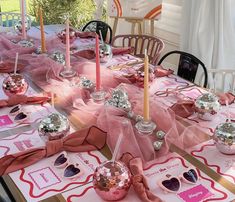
<point x="206" y="189"/>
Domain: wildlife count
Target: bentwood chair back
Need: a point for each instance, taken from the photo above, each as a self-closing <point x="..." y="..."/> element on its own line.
<point x="153" y="45"/>
<point x="188" y="66"/>
<point x="97" y="26"/>
<point x="221" y="80"/>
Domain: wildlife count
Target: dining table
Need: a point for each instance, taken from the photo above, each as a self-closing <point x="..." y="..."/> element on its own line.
<point x="188" y="141"/>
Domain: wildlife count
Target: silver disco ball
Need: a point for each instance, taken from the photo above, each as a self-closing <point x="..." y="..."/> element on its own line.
<point x="105" y="53"/>
<point x="18" y="26"/>
<point x="224" y="138"/>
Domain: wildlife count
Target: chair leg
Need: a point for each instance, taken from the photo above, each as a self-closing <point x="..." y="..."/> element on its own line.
<point x="6" y="189"/>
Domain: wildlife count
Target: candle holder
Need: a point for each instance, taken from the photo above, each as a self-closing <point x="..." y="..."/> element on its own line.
<point x="68" y="73"/>
<point x="145" y="127"/>
<point x="98" y="95"/>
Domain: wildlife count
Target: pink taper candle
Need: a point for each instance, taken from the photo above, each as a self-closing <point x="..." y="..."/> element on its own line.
<point x="67" y="57"/>
<point x="23" y="19"/>
<point x="146" y="87"/>
<point x="97" y="50"/>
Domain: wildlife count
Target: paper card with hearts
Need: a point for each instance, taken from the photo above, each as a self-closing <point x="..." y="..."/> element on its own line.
<point x="119" y="61"/>
<point x="192" y="92"/>
<point x="20" y="142"/>
<point x="211" y="157"/>
<point x="176" y="166"/>
<point x="26" y="140"/>
<point x="26" y="115"/>
<point x="168" y="84"/>
<point x="205" y="188"/>
<point x="170" y="97"/>
<point x="43" y="179"/>
<point x="29" y="91"/>
<point x="87" y="193"/>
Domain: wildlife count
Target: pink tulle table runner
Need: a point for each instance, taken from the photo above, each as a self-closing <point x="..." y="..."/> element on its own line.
<point x="121" y="73"/>
<point x="46" y="73"/>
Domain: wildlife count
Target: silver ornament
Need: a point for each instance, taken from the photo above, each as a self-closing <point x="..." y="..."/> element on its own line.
<point x="139" y="118"/>
<point x="86" y="83"/>
<point x="157" y="145"/>
<point x="207" y="105"/>
<point x="126" y="105"/>
<point x="38" y="51"/>
<point x="224" y="137"/>
<point x="119" y="94"/>
<point x="18" y="26"/>
<point x="54" y="126"/>
<point x="26" y="43"/>
<point x="130" y="114"/>
<point x="105" y="53"/>
<point x="160" y="134"/>
<point x="119" y="98"/>
<point x="58" y="57"/>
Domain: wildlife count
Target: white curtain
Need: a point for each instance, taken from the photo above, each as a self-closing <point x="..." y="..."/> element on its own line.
<point x="208" y="31"/>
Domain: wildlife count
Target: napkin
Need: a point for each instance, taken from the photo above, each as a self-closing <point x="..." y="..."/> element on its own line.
<point x="87" y="139"/>
<point x="22" y="99"/>
<point x="139" y="181"/>
<point x="161" y="72"/>
<point x="223" y="97"/>
<point x="183" y="108"/>
<point x="88" y="54"/>
<point x="8" y="66"/>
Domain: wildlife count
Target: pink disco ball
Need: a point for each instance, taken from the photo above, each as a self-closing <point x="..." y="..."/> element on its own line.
<point x="112" y="180"/>
<point x="15" y="84"/>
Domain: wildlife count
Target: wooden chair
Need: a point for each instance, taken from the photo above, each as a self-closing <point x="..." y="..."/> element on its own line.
<point x="221" y="80"/>
<point x="153" y="45"/>
<point x="188" y="66"/>
<point x="97" y="26"/>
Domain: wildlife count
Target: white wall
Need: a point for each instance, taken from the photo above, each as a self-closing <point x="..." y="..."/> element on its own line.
<point x="167" y="28"/>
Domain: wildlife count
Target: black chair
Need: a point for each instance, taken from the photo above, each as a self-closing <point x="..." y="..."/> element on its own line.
<point x="188" y="66"/>
<point x="96" y="26"/>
